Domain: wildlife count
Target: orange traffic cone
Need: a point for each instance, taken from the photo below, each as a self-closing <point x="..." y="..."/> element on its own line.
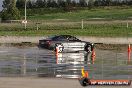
<point x="129" y="53"/>
<point x="84" y="73"/>
<point x="56" y="52"/>
<point x="93" y="56"/>
<point x="129" y="48"/>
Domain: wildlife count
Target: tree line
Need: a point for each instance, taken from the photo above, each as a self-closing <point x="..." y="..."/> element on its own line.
<point x="13" y="8"/>
<point x="10" y="12"/>
<point x="72" y="3"/>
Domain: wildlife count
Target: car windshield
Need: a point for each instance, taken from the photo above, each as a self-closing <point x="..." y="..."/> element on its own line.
<point x="71" y="38"/>
<point x="51" y="37"/>
<point x="57" y="38"/>
<point x="63" y="38"/>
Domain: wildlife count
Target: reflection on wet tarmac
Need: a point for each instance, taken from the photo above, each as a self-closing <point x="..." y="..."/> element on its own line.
<point x="66" y="65"/>
<point x="32" y="61"/>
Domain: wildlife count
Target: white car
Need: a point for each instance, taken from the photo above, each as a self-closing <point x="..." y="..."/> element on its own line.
<point x="66" y="43"/>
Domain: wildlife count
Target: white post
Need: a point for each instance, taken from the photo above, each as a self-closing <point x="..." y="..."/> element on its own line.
<point x="25" y="14"/>
<point x="36" y="67"/>
<point x="24" y="65"/>
<point x="127" y="25"/>
<point x="82" y="24"/>
<point x="37" y="24"/>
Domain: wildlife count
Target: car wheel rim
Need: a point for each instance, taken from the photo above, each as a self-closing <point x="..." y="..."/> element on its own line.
<point x="60" y="48"/>
<point x="89" y="49"/>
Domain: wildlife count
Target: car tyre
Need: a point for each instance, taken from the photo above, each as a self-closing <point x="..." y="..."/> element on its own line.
<point x="60" y="46"/>
<point x="88" y="48"/>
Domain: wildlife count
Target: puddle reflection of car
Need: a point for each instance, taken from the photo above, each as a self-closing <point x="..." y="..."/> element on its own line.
<point x="75" y="61"/>
<point x="73" y="58"/>
<point x="65" y="65"/>
<point x="66" y="43"/>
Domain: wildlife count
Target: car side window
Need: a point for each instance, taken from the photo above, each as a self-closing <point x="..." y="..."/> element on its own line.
<point x="73" y="39"/>
<point x="62" y="38"/>
<point x="55" y="38"/>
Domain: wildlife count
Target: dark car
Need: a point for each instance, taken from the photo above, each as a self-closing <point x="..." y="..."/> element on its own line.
<point x="66" y="43"/>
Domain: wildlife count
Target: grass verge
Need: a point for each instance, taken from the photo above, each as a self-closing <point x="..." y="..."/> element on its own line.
<point x="103" y="29"/>
<point x="108" y="13"/>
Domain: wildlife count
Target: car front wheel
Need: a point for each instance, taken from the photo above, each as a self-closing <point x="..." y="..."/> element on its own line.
<point x="88" y="48"/>
<point x="60" y="47"/>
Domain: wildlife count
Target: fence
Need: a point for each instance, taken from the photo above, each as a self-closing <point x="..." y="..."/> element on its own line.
<point x="82" y="24"/>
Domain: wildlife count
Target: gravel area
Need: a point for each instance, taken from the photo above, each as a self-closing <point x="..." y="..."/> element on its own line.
<point x="35" y="39"/>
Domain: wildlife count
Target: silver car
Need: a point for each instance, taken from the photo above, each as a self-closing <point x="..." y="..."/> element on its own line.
<point x="65" y="43"/>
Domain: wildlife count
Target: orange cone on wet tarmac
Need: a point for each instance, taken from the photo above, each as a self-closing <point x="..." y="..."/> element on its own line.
<point x="129" y="53"/>
<point x="129" y="48"/>
<point x="93" y="56"/>
<point x="84" y="81"/>
<point x="84" y="73"/>
<point x="57" y="52"/>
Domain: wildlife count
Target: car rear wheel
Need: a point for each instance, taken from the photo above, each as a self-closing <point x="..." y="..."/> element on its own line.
<point x="60" y="47"/>
<point x="88" y="48"/>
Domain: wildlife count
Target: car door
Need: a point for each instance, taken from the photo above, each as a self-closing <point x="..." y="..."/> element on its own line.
<point x="75" y="44"/>
<point x="62" y="40"/>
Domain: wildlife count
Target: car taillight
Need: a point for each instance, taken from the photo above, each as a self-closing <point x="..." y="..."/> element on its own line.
<point x="48" y="42"/>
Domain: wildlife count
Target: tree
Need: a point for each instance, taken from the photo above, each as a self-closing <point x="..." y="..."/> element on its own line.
<point x="29" y="4"/>
<point x="68" y="2"/>
<point x="20" y="4"/>
<point x="98" y="2"/>
<point x="6" y="4"/>
<point x="82" y="3"/>
<point x="61" y="3"/>
<point x="10" y="12"/>
<point x="49" y="3"/>
<point x="40" y="4"/>
<point x="108" y="2"/>
<point x="54" y="4"/>
<point x="74" y="4"/>
<point x="90" y="4"/>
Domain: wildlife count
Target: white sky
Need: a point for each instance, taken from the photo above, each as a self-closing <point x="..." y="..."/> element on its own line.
<point x="1" y="4"/>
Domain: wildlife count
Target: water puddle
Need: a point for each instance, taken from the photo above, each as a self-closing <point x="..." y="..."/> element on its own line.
<point x="31" y="61"/>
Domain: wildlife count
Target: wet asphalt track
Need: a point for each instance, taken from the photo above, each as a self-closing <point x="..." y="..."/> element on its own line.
<point x="34" y="62"/>
<point x="46" y="83"/>
<point x="43" y="68"/>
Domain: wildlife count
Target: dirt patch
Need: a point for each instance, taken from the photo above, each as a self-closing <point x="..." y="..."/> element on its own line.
<point x="19" y="45"/>
<point x="119" y="47"/>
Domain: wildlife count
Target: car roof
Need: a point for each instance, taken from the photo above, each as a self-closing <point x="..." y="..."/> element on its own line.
<point x="58" y="36"/>
<point x="65" y="35"/>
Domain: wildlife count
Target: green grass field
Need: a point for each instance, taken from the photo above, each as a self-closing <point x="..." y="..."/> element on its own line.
<point x="105" y="13"/>
<point x="71" y="28"/>
<point x="97" y="22"/>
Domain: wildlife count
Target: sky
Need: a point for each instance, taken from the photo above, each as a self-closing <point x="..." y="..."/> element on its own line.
<point x="1" y="4"/>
